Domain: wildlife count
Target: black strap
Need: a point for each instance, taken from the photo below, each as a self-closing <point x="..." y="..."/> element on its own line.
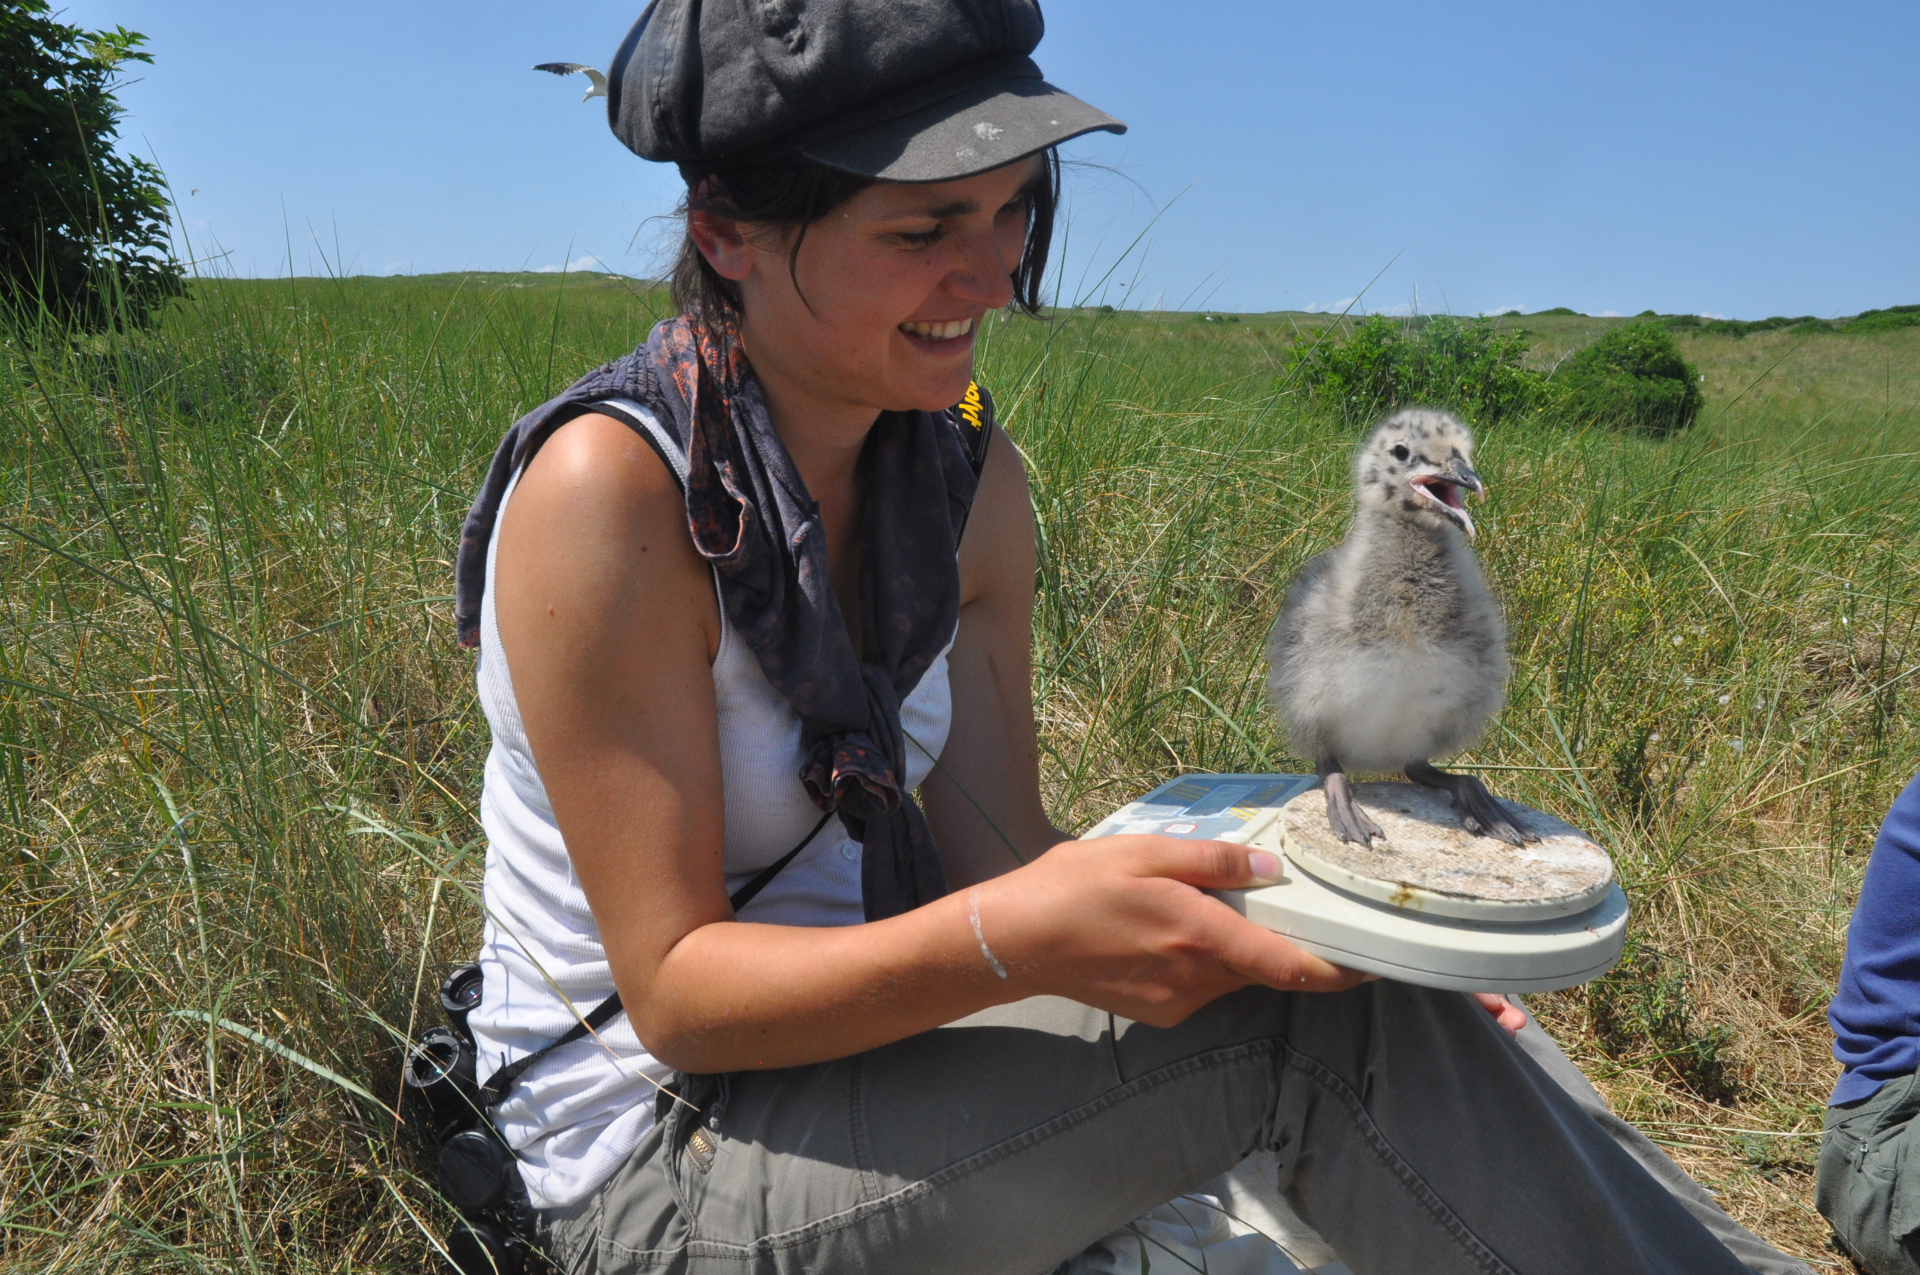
<point x="600" y="1015"/>
<point x="744" y="895"/>
<point x="502" y="1080"/>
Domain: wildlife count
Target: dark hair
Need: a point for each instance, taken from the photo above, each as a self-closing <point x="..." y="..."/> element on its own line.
<point x="792" y="196"/>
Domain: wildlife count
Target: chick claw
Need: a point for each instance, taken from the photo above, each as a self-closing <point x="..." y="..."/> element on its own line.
<point x="1348" y="821"/>
<point x="1479" y="813"/>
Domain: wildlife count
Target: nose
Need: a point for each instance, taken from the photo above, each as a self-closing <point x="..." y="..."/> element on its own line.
<point x="982" y="275"/>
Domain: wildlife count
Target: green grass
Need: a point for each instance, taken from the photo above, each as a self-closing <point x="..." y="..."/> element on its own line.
<point x="240" y="753"/>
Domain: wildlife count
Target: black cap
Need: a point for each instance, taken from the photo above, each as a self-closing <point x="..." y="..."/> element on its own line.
<point x="902" y="90"/>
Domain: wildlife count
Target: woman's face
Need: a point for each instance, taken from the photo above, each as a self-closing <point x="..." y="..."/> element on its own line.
<point x="892" y="289"/>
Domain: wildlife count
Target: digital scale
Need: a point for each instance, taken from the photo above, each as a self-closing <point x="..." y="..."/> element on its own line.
<point x="1430" y="903"/>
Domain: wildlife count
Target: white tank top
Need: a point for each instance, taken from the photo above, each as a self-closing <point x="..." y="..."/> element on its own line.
<point x="577" y="1114"/>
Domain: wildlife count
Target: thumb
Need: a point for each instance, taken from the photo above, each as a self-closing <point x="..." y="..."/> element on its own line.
<point x="1209" y="865"/>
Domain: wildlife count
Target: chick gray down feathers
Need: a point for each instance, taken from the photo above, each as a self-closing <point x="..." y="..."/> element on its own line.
<point x="1390" y="650"/>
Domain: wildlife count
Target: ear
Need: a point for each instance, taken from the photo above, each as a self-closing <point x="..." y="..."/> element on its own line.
<point x="722" y="240"/>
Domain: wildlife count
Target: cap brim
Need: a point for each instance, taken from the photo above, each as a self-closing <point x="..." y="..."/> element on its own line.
<point x="980" y="129"/>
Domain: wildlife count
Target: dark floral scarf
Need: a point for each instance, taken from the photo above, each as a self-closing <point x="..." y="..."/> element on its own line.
<point x="750" y="516"/>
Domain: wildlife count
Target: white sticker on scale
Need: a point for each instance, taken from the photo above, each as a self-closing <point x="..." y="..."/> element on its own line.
<point x="1220" y="798"/>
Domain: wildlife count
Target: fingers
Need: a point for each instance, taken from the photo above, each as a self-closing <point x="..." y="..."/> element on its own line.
<point x="1261" y="956"/>
<point x="1254" y="953"/>
<point x="1504" y="1011"/>
<point x="1206" y="865"/>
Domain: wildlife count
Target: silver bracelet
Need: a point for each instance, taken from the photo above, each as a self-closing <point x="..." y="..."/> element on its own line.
<point x="973" y="915"/>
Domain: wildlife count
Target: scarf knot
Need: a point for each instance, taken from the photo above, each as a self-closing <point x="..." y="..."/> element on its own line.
<point x="859" y="771"/>
<point x="846" y="773"/>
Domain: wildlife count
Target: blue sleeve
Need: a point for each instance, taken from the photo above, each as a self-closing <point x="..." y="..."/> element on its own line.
<point x="1876" y="1014"/>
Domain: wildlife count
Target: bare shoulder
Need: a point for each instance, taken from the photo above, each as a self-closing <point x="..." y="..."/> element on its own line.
<point x="597" y="465"/>
<point x="597" y="526"/>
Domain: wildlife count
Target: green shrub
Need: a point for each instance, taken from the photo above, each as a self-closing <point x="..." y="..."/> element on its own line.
<point x="1741" y="327"/>
<point x="1357" y="373"/>
<point x="1898" y="316"/>
<point x="83" y="228"/>
<point x="1641" y="1010"/>
<point x="1465" y="365"/>
<point x="1632" y="376"/>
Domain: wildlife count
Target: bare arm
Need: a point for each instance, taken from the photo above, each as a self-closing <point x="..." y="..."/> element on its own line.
<point x="609" y="625"/>
<point x="983" y="798"/>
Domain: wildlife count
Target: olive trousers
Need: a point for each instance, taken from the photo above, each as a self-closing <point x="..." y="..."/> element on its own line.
<point x="1868" y="1185"/>
<point x="1409" y="1130"/>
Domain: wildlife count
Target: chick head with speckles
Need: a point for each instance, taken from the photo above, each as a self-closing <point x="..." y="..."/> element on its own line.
<point x="1418" y="464"/>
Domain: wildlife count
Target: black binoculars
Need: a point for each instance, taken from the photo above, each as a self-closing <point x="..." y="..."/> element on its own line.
<point x="478" y="1175"/>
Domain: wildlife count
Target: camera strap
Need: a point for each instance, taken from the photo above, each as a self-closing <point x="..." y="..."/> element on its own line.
<point x="600" y="1015"/>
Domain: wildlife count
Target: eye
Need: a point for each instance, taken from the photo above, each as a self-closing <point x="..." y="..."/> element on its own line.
<point x="922" y="238"/>
<point x="1400" y="451"/>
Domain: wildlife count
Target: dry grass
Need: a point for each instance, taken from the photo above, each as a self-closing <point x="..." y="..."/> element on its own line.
<point x="239" y="754"/>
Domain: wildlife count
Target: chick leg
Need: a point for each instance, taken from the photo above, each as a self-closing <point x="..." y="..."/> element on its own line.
<point x="1478" y="810"/>
<point x="1348" y="821"/>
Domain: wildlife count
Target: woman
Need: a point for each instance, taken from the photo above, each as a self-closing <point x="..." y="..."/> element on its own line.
<point x="733" y="595"/>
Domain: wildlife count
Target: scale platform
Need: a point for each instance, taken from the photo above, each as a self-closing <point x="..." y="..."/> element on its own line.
<point x="1433" y="904"/>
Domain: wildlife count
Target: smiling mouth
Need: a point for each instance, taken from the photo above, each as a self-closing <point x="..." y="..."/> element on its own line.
<point x="1444" y="497"/>
<point x="951" y="330"/>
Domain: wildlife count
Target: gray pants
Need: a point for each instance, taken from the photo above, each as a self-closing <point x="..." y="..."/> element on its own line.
<point x="1869" y="1180"/>
<point x="1754" y="1253"/>
<point x="1409" y="1131"/>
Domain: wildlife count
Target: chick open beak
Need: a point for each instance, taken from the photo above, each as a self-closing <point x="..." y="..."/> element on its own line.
<point x="1461" y="474"/>
<point x="1443" y="491"/>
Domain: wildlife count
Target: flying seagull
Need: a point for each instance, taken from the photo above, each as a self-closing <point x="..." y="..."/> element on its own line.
<point x="596" y="82"/>
<point x="1390" y="650"/>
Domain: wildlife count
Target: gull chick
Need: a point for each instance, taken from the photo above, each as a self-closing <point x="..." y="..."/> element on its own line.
<point x="1390" y="650"/>
<point x="596" y="82"/>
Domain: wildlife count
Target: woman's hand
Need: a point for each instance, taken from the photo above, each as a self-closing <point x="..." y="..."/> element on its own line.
<point x="1122" y="924"/>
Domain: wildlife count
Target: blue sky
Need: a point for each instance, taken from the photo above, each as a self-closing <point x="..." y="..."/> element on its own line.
<point x="1737" y="159"/>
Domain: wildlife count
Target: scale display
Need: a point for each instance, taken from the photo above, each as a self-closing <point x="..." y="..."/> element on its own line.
<point x="1487" y="933"/>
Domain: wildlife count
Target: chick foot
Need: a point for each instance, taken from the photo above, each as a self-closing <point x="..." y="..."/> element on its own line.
<point x="1348" y="821"/>
<point x="1478" y="811"/>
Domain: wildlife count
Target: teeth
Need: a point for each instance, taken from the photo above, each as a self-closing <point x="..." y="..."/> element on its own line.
<point x="939" y="331"/>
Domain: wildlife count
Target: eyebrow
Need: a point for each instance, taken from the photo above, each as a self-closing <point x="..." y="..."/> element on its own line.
<point x="958" y="208"/>
<point x="961" y="207"/>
